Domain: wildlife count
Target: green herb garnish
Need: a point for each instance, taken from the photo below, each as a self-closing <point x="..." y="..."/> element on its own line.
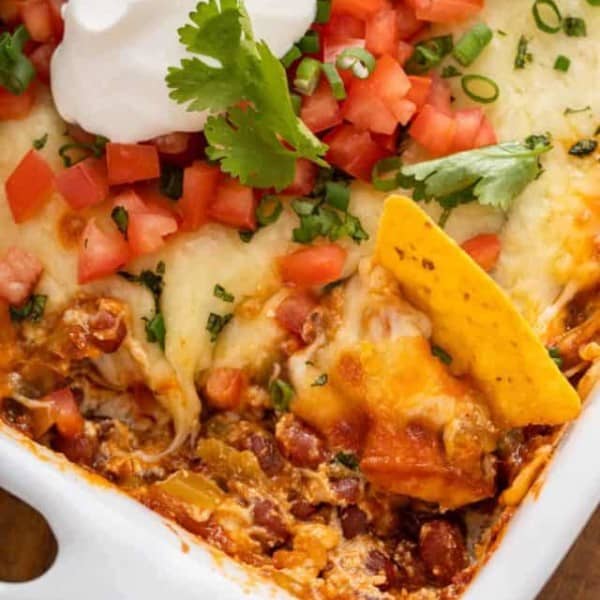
<point x="562" y="63"/>
<point x="260" y="143"/>
<point x="32" y="310"/>
<point x="82" y="151"/>
<point x="441" y="354"/>
<point x="574" y="27"/>
<point x="523" y="57"/>
<point x="171" y="181"/>
<point x="216" y="323"/>
<point x="556" y="356"/>
<point x="120" y="216"/>
<point x="472" y="44"/>
<point x="548" y="19"/>
<point x="348" y="460"/>
<point x="428" y="54"/>
<point x="450" y="71"/>
<point x="16" y="70"/>
<point x="282" y="394"/>
<point x="40" y="142"/>
<point x="583" y="148"/>
<point x="320" y="380"/>
<point x="221" y="293"/>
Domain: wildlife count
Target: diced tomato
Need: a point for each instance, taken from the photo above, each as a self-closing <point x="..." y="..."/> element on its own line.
<point x="387" y="142"/>
<point x="367" y="110"/>
<point x="293" y="311"/>
<point x="390" y="83"/>
<point x="344" y="26"/>
<point x="468" y="124"/>
<point x="13" y="107"/>
<point x="131" y="202"/>
<point x="84" y="184"/>
<point x="65" y="411"/>
<point x="37" y="18"/>
<point x="484" y="249"/>
<point x="9" y="11"/>
<point x="434" y="131"/>
<point x="41" y="58"/>
<point x="146" y="231"/>
<point x="315" y="265"/>
<point x="200" y="182"/>
<point x="58" y="25"/>
<point x="234" y="206"/>
<point x="321" y="111"/>
<point x="224" y="388"/>
<point x="353" y="151"/>
<point x="447" y="11"/>
<point x="361" y="9"/>
<point x="304" y="179"/>
<point x="440" y="95"/>
<point x="29" y="186"/>
<point x="100" y="253"/>
<point x="420" y="88"/>
<point x="382" y="34"/>
<point x="486" y="136"/>
<point x="404" y="52"/>
<point x="128" y="163"/>
<point x="408" y="24"/>
<point x="19" y="273"/>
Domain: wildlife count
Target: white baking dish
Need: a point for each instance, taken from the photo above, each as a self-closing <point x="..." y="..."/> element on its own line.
<point x="112" y="548"/>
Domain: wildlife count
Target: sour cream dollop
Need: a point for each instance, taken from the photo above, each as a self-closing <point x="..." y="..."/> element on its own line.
<point x="108" y="74"/>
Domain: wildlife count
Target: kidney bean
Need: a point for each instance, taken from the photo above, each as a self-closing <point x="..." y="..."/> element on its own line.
<point x="354" y="521"/>
<point x="79" y="449"/>
<point x="298" y="443"/>
<point x="442" y="548"/>
<point x="265" y="450"/>
<point x="266" y="514"/>
<point x="303" y="510"/>
<point x="380" y="564"/>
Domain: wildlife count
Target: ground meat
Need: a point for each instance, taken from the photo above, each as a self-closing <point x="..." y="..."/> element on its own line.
<point x="80" y="449"/>
<point x="442" y="548"/>
<point x="354" y="521"/>
<point x="299" y="444"/>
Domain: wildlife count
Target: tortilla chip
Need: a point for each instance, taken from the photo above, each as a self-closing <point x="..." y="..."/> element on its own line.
<point x="474" y="320"/>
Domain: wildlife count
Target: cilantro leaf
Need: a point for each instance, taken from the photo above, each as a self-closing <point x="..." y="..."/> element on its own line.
<point x="32" y="310"/>
<point x="493" y="176"/>
<point x="261" y="142"/>
<point x="16" y="70"/>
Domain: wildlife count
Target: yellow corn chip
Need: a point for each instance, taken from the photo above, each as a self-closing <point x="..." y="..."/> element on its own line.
<point x="474" y="320"/>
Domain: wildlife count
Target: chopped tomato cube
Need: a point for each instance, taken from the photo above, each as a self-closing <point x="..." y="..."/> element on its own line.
<point x="468" y="124"/>
<point x="486" y="136"/>
<point x="19" y="273"/>
<point x="367" y="110"/>
<point x="84" y="184"/>
<point x="353" y="151"/>
<point x="440" y="95"/>
<point x="321" y="111"/>
<point x="390" y="83"/>
<point x="408" y="24"/>
<point x="304" y="179"/>
<point x="65" y="412"/>
<point x="315" y="265"/>
<point x="293" y="311"/>
<point x="234" y="206"/>
<point x="420" y="88"/>
<point x="131" y="202"/>
<point x="484" y="249"/>
<point x="128" y="163"/>
<point x="58" y="25"/>
<point x="434" y="130"/>
<point x="38" y="20"/>
<point x="388" y="142"/>
<point x="29" y="186"/>
<point x="41" y="58"/>
<point x="447" y="11"/>
<point x="224" y="388"/>
<point x="382" y="33"/>
<point x="200" y="182"/>
<point x="146" y="231"/>
<point x="404" y="52"/>
<point x="344" y="26"/>
<point x="13" y="107"/>
<point x="100" y="253"/>
<point x="361" y="9"/>
<point x="9" y="11"/>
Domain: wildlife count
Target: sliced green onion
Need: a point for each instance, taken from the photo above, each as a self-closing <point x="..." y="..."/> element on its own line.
<point x="428" y="54"/>
<point x="323" y="12"/>
<point x="291" y="56"/>
<point x="307" y="76"/>
<point x="385" y="174"/>
<point x="472" y="44"/>
<point x="269" y="210"/>
<point x="358" y="60"/>
<point x="469" y="82"/>
<point x="523" y="56"/>
<point x="335" y="81"/>
<point x="337" y="195"/>
<point x="574" y="27"/>
<point x="282" y="394"/>
<point x="562" y="63"/>
<point x="296" y="103"/>
<point x="450" y="71"/>
<point x="553" y="22"/>
<point x="310" y="43"/>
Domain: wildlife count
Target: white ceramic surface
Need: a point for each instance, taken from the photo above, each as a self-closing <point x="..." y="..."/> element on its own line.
<point x="111" y="548"/>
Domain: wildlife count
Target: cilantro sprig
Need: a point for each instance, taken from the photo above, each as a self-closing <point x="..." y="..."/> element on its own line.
<point x="493" y="176"/>
<point x="16" y="70"/>
<point x="257" y="135"/>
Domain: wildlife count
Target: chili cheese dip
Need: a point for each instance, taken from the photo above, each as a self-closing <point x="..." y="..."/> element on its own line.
<point x="208" y="296"/>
